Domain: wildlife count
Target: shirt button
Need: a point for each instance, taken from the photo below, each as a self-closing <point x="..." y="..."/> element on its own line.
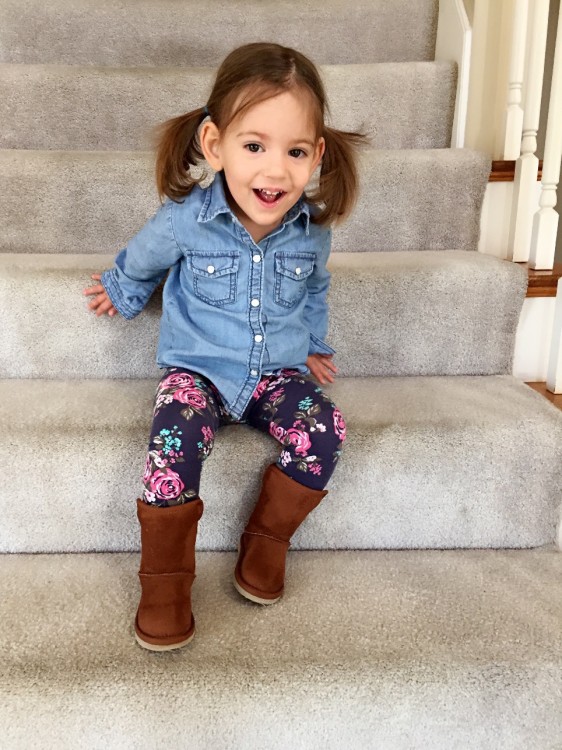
<point x="210" y="269"/>
<point x="253" y="373"/>
<point x="256" y="258"/>
<point x="258" y="337"/>
<point x="255" y="302"/>
<point x="297" y="270"/>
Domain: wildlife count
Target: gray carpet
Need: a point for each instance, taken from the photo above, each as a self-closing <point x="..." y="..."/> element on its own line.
<point x="168" y="32"/>
<point x="94" y="201"/>
<point x="414" y="649"/>
<point x="99" y="108"/>
<point x="442" y="461"/>
<point x="415" y="313"/>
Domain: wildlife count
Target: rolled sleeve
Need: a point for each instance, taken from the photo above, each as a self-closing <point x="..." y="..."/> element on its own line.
<point x="142" y="264"/>
<point x="316" y="309"/>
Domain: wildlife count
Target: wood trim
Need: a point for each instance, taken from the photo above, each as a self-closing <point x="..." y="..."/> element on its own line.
<point x="542" y="283"/>
<point x="554" y="398"/>
<point x="504" y="171"/>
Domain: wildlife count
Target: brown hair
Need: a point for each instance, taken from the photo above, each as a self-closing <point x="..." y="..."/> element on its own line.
<point x="249" y="75"/>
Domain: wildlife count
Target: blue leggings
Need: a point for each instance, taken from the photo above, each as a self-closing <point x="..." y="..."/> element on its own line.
<point x="188" y="411"/>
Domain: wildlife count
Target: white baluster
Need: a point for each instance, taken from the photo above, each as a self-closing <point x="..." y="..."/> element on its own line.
<point x="526" y="169"/>
<point x="545" y="220"/>
<point x="513" y="120"/>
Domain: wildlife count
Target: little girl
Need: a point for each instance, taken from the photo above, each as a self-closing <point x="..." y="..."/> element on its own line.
<point x="243" y="322"/>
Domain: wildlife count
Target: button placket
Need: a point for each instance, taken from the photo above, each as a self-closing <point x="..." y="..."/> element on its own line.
<point x="254" y="299"/>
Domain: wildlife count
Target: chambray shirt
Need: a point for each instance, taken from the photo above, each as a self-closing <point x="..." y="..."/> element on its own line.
<point x="233" y="310"/>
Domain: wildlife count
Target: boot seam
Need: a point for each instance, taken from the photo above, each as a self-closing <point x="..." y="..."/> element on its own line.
<point x="268" y="536"/>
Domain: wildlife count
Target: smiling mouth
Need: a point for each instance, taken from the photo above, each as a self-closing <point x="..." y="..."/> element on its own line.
<point x="269" y="197"/>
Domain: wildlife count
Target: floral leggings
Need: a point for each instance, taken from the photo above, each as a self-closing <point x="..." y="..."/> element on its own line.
<point x="188" y="411"/>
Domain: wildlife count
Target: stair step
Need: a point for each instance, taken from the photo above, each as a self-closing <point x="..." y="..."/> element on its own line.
<point x="386" y="649"/>
<point x="414" y="313"/>
<point x="167" y="32"/>
<point x="92" y="108"/>
<point x="429" y="462"/>
<point x="92" y="202"/>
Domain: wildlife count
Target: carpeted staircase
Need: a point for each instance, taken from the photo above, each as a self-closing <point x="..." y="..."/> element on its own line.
<point x="423" y="603"/>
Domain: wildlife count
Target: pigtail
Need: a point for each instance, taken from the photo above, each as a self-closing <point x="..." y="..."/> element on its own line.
<point x="339" y="179"/>
<point x="177" y="150"/>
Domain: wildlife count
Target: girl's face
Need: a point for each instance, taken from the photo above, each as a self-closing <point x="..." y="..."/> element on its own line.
<point x="270" y="148"/>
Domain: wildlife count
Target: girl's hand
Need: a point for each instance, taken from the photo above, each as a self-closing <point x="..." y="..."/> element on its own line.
<point x="101" y="304"/>
<point x="321" y="366"/>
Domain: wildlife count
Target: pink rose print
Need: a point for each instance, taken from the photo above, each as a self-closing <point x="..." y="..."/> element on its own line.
<point x="339" y="425"/>
<point x="147" y="469"/>
<point x="179" y="379"/>
<point x="277" y="431"/>
<point x="208" y="434"/>
<point x="301" y="441"/>
<point x="275" y="395"/>
<point x="192" y="397"/>
<point x="166" y="484"/>
<point x="260" y="388"/>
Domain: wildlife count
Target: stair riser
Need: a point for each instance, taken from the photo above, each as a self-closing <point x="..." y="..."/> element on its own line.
<point x="95" y="202"/>
<point x="81" y="32"/>
<point x="89" y="108"/>
<point x="442" y="480"/>
<point x="413" y="314"/>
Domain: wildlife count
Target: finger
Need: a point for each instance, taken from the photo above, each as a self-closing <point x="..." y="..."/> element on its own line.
<point x="105" y="306"/>
<point x="96" y="301"/>
<point x="94" y="289"/>
<point x="330" y="365"/>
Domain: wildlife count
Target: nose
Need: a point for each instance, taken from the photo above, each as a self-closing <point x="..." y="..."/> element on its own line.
<point x="276" y="166"/>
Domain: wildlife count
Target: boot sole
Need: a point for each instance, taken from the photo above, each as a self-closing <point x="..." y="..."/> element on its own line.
<point x="252" y="597"/>
<point x="169" y="647"/>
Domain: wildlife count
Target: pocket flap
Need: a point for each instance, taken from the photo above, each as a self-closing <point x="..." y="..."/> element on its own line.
<point x="295" y="266"/>
<point x="213" y="265"/>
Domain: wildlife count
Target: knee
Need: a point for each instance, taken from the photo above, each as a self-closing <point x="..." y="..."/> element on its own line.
<point x="330" y="428"/>
<point x="338" y="424"/>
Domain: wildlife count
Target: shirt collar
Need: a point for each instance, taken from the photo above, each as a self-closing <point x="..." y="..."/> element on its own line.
<point x="215" y="203"/>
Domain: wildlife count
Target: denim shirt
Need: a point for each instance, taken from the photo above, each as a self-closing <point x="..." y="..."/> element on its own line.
<point x="233" y="309"/>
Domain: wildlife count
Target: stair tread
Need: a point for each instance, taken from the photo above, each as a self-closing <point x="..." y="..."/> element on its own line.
<point x="90" y="200"/>
<point x="464" y="461"/>
<point x="170" y="32"/>
<point x="402" y="299"/>
<point x="415" y="643"/>
<point x="93" y="107"/>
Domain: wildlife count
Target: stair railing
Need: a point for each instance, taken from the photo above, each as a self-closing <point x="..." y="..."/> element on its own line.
<point x="532" y="232"/>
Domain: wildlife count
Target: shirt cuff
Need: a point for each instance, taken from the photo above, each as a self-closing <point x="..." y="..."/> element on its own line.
<point x="114" y="293"/>
<point x="317" y="346"/>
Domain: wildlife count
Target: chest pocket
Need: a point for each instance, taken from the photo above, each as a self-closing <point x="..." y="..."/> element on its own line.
<point x="291" y="273"/>
<point x="215" y="276"/>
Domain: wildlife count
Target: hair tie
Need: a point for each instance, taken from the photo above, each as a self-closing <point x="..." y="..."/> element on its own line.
<point x="206" y="112"/>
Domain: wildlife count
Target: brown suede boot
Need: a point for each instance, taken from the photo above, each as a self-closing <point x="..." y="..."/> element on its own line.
<point x="282" y="506"/>
<point x="164" y="619"/>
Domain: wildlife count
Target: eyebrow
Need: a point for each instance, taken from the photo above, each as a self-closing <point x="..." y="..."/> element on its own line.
<point x="264" y="137"/>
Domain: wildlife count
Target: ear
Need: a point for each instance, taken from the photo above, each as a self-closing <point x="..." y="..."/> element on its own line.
<point x="209" y="138"/>
<point x="320" y="149"/>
